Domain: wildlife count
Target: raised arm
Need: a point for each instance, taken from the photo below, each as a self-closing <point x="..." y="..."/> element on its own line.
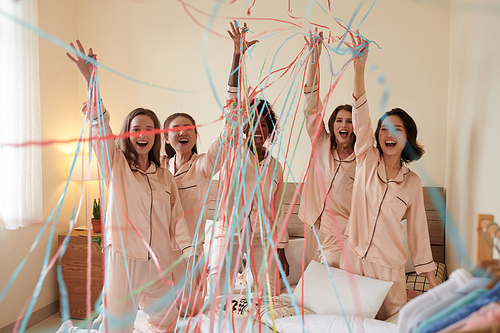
<point x="360" y="112"/>
<point x="361" y="54"/>
<point x="312" y="103"/>
<point x="237" y="34"/>
<point x="100" y="127"/>
<point x="314" y="44"/>
<point x="84" y="65"/>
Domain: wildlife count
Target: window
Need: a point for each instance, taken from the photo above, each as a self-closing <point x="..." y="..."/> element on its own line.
<point x="20" y="167"/>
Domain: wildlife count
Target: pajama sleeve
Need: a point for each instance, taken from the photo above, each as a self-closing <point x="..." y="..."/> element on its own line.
<point x="362" y="127"/>
<point x="418" y="234"/>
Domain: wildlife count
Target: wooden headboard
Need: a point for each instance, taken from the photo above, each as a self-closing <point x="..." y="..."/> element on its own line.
<point x="435" y="217"/>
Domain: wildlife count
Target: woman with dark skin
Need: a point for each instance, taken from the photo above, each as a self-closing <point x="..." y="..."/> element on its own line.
<point x="259" y="181"/>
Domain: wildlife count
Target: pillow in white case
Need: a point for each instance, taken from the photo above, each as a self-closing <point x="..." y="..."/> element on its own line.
<point x="294" y="255"/>
<point x="320" y="295"/>
<point x="333" y="323"/>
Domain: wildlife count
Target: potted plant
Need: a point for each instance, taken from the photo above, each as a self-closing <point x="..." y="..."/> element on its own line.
<point x="96" y="216"/>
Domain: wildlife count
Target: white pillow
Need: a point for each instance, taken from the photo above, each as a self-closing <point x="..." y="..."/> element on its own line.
<point x="409" y="264"/>
<point x="294" y="255"/>
<point x="333" y="323"/>
<point x="320" y="295"/>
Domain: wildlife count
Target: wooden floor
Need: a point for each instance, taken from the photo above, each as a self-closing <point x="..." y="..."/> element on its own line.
<point x="52" y="324"/>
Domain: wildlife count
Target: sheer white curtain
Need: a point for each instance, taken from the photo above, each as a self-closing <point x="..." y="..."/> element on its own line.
<point x="20" y="167"/>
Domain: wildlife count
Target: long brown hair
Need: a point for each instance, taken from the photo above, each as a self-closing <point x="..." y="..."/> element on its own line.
<point x="169" y="150"/>
<point x="412" y="150"/>
<point x="331" y="121"/>
<point x="126" y="147"/>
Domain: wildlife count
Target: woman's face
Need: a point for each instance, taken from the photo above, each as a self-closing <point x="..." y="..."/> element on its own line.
<point x="182" y="140"/>
<point x="261" y="134"/>
<point x="142" y="143"/>
<point x="392" y="136"/>
<point x="342" y="127"/>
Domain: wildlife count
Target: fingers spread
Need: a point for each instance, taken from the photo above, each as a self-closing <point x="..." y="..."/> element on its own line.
<point x="71" y="57"/>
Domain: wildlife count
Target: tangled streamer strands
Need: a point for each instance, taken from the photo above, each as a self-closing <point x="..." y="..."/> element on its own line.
<point x="236" y="198"/>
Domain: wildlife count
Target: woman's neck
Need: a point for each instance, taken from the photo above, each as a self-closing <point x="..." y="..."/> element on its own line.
<point x="344" y="152"/>
<point x="181" y="159"/>
<point x="261" y="153"/>
<point x="392" y="166"/>
<point x="143" y="161"/>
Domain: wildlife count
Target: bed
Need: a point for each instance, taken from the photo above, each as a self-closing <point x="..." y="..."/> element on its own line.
<point x="320" y="311"/>
<point x="320" y="297"/>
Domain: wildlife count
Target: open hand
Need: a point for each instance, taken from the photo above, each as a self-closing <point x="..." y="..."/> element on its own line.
<point x="84" y="66"/>
<point x="359" y="47"/>
<point x="313" y="44"/>
<point x="238" y="36"/>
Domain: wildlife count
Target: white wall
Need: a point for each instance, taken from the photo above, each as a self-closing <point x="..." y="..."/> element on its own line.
<point x="472" y="181"/>
<point x="157" y="42"/>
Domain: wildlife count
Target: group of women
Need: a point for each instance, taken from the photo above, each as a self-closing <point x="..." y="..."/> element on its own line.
<point x="353" y="199"/>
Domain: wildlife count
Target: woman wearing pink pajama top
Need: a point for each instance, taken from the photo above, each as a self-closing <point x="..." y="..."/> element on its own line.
<point x="384" y="191"/>
<point x="326" y="195"/>
<point x="193" y="175"/>
<point x="144" y="215"/>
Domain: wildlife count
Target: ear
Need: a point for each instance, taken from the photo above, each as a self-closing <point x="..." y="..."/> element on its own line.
<point x="166" y="138"/>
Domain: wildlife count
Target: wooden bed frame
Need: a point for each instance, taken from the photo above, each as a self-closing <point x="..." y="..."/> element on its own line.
<point x="435" y="216"/>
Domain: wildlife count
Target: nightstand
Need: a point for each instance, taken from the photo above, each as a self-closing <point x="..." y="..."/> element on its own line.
<point x="74" y="271"/>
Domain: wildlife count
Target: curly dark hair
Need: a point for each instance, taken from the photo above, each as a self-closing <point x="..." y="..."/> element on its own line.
<point x="412" y="150"/>
<point x="264" y="110"/>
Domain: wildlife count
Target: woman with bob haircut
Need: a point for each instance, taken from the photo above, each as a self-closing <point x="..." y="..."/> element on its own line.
<point x="385" y="190"/>
<point x="326" y="196"/>
<point x="144" y="216"/>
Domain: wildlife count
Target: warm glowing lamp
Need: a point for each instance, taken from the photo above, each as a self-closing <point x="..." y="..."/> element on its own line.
<point x="85" y="169"/>
<point x="81" y="169"/>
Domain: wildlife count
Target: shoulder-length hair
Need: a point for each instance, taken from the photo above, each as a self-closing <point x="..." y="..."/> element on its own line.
<point x="331" y="122"/>
<point x="169" y="150"/>
<point x="126" y="147"/>
<point x="412" y="150"/>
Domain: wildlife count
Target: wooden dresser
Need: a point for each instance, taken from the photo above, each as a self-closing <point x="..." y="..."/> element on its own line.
<point x="74" y="271"/>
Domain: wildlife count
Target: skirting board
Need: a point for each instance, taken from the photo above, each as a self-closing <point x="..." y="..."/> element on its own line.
<point x="36" y="317"/>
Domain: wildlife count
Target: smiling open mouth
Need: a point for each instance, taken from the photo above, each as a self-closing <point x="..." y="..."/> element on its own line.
<point x="141" y="143"/>
<point x="390" y="144"/>
<point x="183" y="140"/>
<point x="343" y="133"/>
